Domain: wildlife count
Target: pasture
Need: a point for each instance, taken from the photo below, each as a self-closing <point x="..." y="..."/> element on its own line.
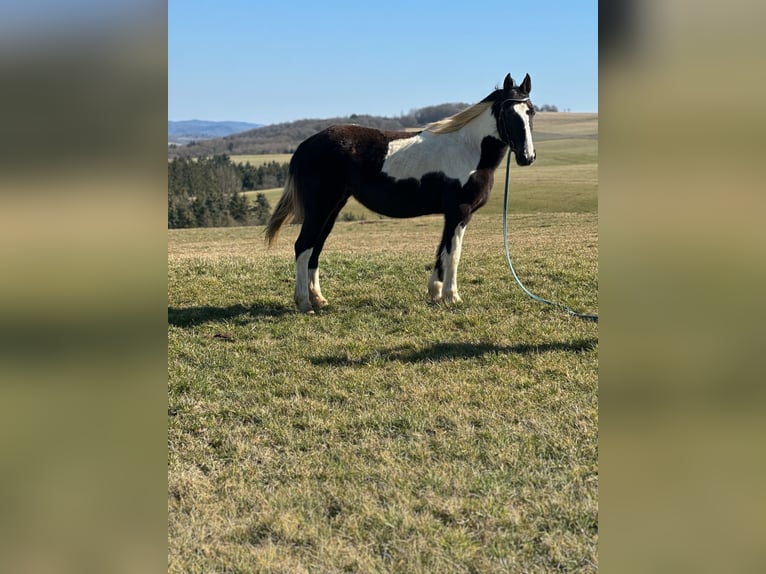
<point x="260" y="159"/>
<point x="386" y="433"/>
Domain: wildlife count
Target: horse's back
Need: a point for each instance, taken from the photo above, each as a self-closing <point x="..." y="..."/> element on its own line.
<point x="345" y="148"/>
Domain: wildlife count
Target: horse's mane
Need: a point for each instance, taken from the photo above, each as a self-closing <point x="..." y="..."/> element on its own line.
<point x="459" y="120"/>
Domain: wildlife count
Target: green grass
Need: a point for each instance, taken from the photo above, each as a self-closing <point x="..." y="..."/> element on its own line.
<point x="272" y="195"/>
<point x="386" y="433"/>
<point x="257" y="160"/>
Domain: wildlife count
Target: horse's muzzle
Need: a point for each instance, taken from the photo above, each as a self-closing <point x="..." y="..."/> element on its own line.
<point x="522" y="159"/>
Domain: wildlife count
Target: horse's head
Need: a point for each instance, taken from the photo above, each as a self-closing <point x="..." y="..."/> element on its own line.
<point x="513" y="113"/>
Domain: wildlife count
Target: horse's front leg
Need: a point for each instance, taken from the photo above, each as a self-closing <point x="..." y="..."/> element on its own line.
<point x="450" y="260"/>
<point x="442" y="286"/>
<point x="435" y="282"/>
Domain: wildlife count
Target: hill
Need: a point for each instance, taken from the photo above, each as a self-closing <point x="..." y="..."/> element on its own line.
<point x="285" y="137"/>
<point x="186" y="131"/>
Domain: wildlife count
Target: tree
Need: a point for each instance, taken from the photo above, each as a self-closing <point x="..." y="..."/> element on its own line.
<point x="260" y="211"/>
<point x="238" y="208"/>
<point x="208" y="192"/>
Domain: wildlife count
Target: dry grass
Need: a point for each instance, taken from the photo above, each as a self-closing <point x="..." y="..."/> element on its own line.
<point x="386" y="434"/>
<point x="568" y="124"/>
<point x="418" y="237"/>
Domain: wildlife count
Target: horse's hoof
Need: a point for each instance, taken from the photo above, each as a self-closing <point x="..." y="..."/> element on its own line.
<point x="320" y="303"/>
<point x="452" y="299"/>
<point x="435" y="291"/>
<point x="305" y="308"/>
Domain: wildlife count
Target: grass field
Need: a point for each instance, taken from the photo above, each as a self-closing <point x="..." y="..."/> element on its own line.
<point x="386" y="433"/>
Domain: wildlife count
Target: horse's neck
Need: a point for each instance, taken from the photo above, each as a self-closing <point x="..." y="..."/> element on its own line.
<point x="459" y="152"/>
<point x="476" y="130"/>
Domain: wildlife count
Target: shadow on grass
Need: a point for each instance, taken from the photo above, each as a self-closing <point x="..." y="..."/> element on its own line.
<point x="452" y="351"/>
<point x="191" y="316"/>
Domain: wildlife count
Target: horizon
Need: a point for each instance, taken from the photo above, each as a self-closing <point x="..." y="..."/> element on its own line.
<point x="259" y="124"/>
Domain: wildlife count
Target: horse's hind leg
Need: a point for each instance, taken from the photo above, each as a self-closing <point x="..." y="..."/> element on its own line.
<point x="316" y="227"/>
<point x="315" y="291"/>
<point x="301" y="296"/>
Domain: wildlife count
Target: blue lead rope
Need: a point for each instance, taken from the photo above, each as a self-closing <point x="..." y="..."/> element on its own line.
<point x="584" y="316"/>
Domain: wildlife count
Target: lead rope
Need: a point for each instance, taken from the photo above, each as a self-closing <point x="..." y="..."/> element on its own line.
<point x="584" y="316"/>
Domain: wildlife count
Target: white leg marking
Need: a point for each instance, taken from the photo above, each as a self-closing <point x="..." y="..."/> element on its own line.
<point x="302" y="282"/>
<point x="315" y="291"/>
<point x="435" y="287"/>
<point x="450" y="262"/>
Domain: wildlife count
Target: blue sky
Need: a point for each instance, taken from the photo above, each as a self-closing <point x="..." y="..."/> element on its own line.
<point x="269" y="61"/>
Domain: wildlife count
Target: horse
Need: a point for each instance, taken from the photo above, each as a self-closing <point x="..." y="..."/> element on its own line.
<point x="446" y="168"/>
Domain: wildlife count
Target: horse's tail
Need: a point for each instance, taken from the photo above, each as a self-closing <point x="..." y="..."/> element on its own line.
<point x="289" y="204"/>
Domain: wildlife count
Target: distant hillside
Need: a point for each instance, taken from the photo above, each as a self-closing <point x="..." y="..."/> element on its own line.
<point x="285" y="137"/>
<point x="183" y="132"/>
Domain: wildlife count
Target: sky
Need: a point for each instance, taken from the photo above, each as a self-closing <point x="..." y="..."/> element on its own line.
<point x="271" y="61"/>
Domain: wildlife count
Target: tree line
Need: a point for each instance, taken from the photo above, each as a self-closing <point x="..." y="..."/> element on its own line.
<point x="208" y="191"/>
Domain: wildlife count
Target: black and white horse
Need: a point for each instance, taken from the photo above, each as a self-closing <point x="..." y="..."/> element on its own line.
<point x="448" y="168"/>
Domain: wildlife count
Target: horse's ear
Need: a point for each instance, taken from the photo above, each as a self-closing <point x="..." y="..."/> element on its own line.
<point x="526" y="84"/>
<point x="508" y="83"/>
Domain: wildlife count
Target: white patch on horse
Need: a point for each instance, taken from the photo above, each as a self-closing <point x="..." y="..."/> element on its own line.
<point x="450" y="262"/>
<point x="454" y="154"/>
<point x="302" y="282"/>
<point x="315" y="291"/>
<point x="522" y="109"/>
<point x="435" y="286"/>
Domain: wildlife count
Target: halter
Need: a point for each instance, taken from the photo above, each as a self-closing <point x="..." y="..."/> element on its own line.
<point x="517" y="100"/>
<point x="502" y="117"/>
